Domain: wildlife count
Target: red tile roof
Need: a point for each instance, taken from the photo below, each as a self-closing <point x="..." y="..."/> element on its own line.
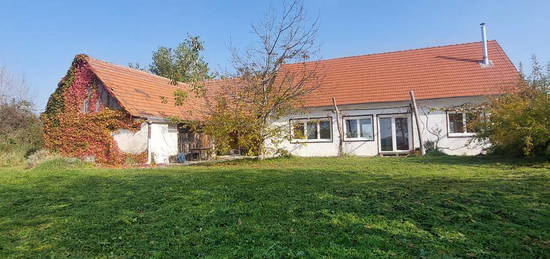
<point x="436" y="72"/>
<point x="141" y="93"/>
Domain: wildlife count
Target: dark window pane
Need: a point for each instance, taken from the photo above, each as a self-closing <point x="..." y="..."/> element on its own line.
<point x="471" y="120"/>
<point x="456" y="125"/>
<point x="365" y="128"/>
<point x="298" y="130"/>
<point x="351" y="128"/>
<point x="324" y="129"/>
<point x="311" y="130"/>
<point x="386" y="142"/>
<point x="402" y="133"/>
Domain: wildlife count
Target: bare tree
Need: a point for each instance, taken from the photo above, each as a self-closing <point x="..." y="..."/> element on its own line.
<point x="12" y="89"/>
<point x="272" y="77"/>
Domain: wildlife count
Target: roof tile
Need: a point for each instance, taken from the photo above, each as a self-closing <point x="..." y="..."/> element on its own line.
<point x="436" y="72"/>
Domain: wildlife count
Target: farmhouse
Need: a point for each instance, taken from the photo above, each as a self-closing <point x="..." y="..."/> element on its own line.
<point x="372" y="93"/>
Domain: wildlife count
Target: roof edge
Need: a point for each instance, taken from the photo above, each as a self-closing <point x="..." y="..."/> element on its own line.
<point x="396" y="51"/>
<point x="405" y="100"/>
<point x="123" y="106"/>
<point x="132" y="69"/>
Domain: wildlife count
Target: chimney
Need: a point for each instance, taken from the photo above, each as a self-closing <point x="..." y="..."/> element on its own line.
<point x="485" y="61"/>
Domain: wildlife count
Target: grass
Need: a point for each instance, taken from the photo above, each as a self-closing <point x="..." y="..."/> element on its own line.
<point x="435" y="207"/>
<point x="10" y="157"/>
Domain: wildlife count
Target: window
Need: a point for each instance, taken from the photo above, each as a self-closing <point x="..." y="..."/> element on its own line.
<point x="460" y="123"/>
<point x="358" y="128"/>
<point x="394" y="132"/>
<point x="324" y="129"/>
<point x="311" y="129"/>
<point x="456" y="123"/>
<point x="298" y="130"/>
<point x="85" y="106"/>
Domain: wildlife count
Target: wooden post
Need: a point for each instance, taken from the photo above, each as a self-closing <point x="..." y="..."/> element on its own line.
<point x="339" y="126"/>
<point x="415" y="108"/>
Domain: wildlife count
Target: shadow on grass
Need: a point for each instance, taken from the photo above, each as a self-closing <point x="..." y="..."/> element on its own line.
<point x="483" y="160"/>
<point x="241" y="212"/>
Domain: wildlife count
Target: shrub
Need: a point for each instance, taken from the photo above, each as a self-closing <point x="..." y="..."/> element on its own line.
<point x="518" y="123"/>
<point x="283" y="153"/>
<point x="57" y="163"/>
<point x="39" y="157"/>
<point x="20" y="132"/>
<point x="432" y="147"/>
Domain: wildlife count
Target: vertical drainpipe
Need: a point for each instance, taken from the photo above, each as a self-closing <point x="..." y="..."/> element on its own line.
<point x="486" y="61"/>
<point x="148" y="142"/>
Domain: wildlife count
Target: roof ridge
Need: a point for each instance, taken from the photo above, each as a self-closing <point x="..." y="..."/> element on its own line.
<point x="133" y="70"/>
<point x="220" y="79"/>
<point x="395" y="51"/>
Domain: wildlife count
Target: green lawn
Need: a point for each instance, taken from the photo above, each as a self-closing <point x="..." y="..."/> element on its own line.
<point x="349" y="207"/>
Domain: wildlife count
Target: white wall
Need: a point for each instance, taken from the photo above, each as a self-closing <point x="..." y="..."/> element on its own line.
<point x="163" y="142"/>
<point x="431" y="119"/>
<point x="132" y="142"/>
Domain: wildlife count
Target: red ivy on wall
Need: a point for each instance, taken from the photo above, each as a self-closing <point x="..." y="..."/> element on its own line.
<point x="75" y="131"/>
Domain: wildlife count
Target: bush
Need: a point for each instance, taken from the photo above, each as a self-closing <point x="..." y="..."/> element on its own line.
<point x="282" y="153"/>
<point x="519" y="123"/>
<point x="57" y="163"/>
<point x="20" y="132"/>
<point x="39" y="157"/>
<point x="11" y="157"/>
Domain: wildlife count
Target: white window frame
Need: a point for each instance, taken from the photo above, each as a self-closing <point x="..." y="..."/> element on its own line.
<point x="357" y="118"/>
<point x="458" y="134"/>
<point x="394" y="135"/>
<point x="304" y="122"/>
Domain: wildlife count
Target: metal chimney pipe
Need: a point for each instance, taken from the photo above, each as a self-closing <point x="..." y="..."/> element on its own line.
<point x="484" y="42"/>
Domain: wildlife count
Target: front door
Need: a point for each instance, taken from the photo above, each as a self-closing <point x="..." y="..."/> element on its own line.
<point x="394" y="133"/>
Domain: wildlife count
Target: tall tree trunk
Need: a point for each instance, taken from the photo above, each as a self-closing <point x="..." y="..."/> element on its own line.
<point x="339" y="126"/>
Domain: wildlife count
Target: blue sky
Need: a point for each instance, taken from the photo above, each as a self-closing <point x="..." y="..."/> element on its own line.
<point x="38" y="39"/>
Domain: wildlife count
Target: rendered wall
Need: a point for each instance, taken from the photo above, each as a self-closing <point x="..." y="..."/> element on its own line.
<point x="132" y="142"/>
<point x="163" y="142"/>
<point x="431" y="119"/>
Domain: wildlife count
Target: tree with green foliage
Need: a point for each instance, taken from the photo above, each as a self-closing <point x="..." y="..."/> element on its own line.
<point x="518" y="123"/>
<point x="181" y="64"/>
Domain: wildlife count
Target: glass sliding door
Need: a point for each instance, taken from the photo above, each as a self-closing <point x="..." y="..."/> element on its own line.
<point x="401" y="133"/>
<point x="394" y="131"/>
<point x="386" y="134"/>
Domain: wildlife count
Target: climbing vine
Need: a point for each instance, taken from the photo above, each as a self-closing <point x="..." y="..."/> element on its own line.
<point x="77" y="124"/>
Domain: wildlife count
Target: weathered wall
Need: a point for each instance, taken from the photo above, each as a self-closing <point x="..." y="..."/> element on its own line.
<point x="431" y="119"/>
<point x="163" y="142"/>
<point x="132" y="142"/>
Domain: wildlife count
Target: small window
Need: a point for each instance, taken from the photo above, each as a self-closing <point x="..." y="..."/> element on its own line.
<point x="359" y="128"/>
<point x="298" y="130"/>
<point x="85" y="106"/>
<point x="461" y="124"/>
<point x="365" y="128"/>
<point x="351" y="128"/>
<point x="97" y="105"/>
<point x="324" y="129"/>
<point x="456" y="123"/>
<point x="311" y="130"/>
